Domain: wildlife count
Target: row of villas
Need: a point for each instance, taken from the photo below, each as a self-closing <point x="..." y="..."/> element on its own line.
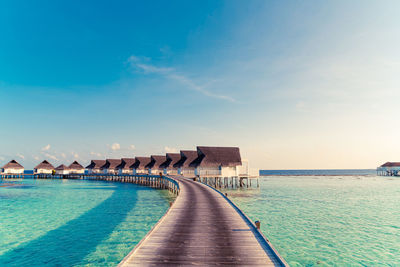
<point x="204" y="161"/>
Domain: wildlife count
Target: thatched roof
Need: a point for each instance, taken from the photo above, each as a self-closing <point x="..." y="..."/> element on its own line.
<point x="391" y="164"/>
<point x="126" y="163"/>
<point x="13" y="164"/>
<point x="172" y="159"/>
<point x="111" y="164"/>
<point x="156" y="161"/>
<point x="75" y="166"/>
<point x="187" y="157"/>
<point x="45" y="165"/>
<point x="62" y="167"/>
<point x="96" y="164"/>
<point x="217" y="156"/>
<point x="140" y="163"/>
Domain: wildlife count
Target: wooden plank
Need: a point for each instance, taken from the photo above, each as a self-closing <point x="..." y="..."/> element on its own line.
<point x="203" y="229"/>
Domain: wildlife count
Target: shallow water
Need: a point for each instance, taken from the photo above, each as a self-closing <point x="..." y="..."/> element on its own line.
<point x="328" y="220"/>
<point x="74" y="222"/>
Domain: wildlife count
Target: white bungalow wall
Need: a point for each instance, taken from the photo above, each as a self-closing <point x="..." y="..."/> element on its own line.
<point x="155" y="171"/>
<point x="124" y="171"/>
<point x="186" y="171"/>
<point x="62" y="172"/>
<point x="13" y="171"/>
<point x="218" y="171"/>
<point x="77" y="171"/>
<point x="44" y="171"/>
<point x="244" y="168"/>
<point x="207" y="171"/>
<point x="170" y="171"/>
<point x="90" y="171"/>
<point x="110" y="171"/>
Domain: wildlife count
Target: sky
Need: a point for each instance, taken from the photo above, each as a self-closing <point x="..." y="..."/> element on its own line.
<point x="294" y="84"/>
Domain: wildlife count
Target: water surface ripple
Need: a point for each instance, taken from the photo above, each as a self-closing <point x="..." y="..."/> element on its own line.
<point x="328" y="220"/>
<point x="74" y="223"/>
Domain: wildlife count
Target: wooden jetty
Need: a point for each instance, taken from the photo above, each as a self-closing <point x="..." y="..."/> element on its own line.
<point x="203" y="228"/>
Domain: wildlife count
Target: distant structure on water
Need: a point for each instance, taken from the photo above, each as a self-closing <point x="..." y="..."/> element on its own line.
<point x="183" y="165"/>
<point x="12" y="167"/>
<point x="44" y="167"/>
<point x="124" y="166"/>
<point x="76" y="168"/>
<point x="156" y="163"/>
<point x="95" y="166"/>
<point x="205" y="161"/>
<point x="139" y="167"/>
<point x="110" y="167"/>
<point x="389" y="169"/>
<point x="62" y="169"/>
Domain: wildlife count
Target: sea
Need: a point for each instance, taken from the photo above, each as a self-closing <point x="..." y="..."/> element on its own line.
<point x="327" y="217"/>
<point x="74" y="222"/>
<point x="312" y="218"/>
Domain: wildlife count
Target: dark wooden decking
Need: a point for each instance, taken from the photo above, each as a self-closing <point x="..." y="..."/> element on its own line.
<point x="202" y="228"/>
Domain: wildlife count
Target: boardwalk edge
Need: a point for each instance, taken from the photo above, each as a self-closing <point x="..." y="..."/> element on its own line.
<point x="133" y="251"/>
<point x="262" y="240"/>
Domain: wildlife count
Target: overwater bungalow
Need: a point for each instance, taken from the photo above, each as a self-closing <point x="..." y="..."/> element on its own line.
<point x="183" y="165"/>
<point x="217" y="161"/>
<point x="44" y="167"/>
<point x="389" y="169"/>
<point x="168" y="165"/>
<point x="124" y="166"/>
<point x="12" y="167"/>
<point x="154" y="167"/>
<point x="110" y="167"/>
<point x="139" y="166"/>
<point x="75" y="167"/>
<point x="62" y="169"/>
<point x="95" y="165"/>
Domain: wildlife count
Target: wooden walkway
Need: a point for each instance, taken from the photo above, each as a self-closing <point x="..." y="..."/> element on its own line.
<point x="203" y="229"/>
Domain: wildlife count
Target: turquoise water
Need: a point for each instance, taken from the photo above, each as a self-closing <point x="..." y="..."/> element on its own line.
<point x="74" y="222"/>
<point x="328" y="220"/>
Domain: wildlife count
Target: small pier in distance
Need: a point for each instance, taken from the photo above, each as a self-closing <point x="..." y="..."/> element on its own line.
<point x="389" y="169"/>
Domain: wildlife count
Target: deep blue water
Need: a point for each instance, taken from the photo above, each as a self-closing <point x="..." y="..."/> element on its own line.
<point x="331" y="172"/>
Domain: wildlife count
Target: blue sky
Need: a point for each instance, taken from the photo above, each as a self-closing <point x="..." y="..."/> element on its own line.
<point x="295" y="84"/>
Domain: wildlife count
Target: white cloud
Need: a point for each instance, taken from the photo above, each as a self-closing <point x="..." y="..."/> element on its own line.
<point x="46" y="148"/>
<point x="35" y="157"/>
<point x="115" y="146"/>
<point x="63" y="155"/>
<point x="132" y="147"/>
<point x="50" y="156"/>
<point x="170" y="149"/>
<point x="20" y="156"/>
<point x="95" y="154"/>
<point x="172" y="74"/>
<point x="2" y="158"/>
